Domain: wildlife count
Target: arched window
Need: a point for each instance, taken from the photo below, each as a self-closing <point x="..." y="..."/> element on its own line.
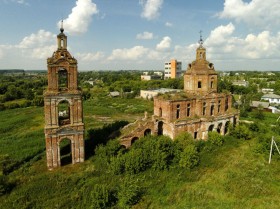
<point x="178" y="111"/>
<point x="226" y="104"/>
<point x="62" y="43"/>
<point x="219" y="106"/>
<point x="63" y="113"/>
<point x="212" y="109"/>
<point x="62" y="79"/>
<point x="160" y="112"/>
<point x="188" y="110"/>
<point x="204" y="108"/>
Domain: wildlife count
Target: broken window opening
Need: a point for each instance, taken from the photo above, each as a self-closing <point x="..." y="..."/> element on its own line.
<point x="188" y="110"/>
<point x="199" y="84"/>
<point x="178" y="112"/>
<point x="64" y="113"/>
<point x="62" y="80"/>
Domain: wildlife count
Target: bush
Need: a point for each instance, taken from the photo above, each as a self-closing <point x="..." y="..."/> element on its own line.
<point x="189" y="157"/>
<point x="98" y="196"/>
<point x="215" y="138"/>
<point x="242" y="132"/>
<point x="117" y="165"/>
<point x="135" y="162"/>
<point x="129" y="192"/>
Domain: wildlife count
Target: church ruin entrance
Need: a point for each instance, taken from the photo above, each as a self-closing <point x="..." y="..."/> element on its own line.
<point x="133" y="140"/>
<point x="160" y="128"/>
<point x="211" y="128"/>
<point x="219" y="128"/>
<point x="226" y="127"/>
<point x="65" y="152"/>
<point x="147" y="132"/>
<point x="62" y="79"/>
<point x="63" y="113"/>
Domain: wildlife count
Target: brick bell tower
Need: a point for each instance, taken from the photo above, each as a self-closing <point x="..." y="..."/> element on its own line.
<point x="200" y="77"/>
<point x="63" y="106"/>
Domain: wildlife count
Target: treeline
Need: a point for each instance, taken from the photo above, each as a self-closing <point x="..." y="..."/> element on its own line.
<point x="29" y="89"/>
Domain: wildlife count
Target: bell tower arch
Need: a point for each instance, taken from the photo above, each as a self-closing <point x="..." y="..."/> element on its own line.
<point x="63" y="105"/>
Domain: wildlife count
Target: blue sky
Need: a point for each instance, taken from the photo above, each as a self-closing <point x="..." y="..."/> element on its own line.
<point x="141" y="34"/>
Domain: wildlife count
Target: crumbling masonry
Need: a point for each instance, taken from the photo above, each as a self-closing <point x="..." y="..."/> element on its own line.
<point x="63" y="106"/>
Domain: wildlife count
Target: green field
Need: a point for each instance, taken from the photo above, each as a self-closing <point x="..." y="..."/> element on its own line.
<point x="234" y="175"/>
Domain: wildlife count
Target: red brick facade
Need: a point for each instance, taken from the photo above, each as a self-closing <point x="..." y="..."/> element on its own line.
<point x="63" y="106"/>
<point x="198" y="110"/>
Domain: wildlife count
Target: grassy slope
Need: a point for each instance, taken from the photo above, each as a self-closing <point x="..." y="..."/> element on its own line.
<point x="228" y="177"/>
<point x="231" y="176"/>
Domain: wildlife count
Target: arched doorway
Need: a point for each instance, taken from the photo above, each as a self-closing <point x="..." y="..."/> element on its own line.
<point x="211" y="127"/>
<point x="219" y="128"/>
<point x="226" y="127"/>
<point x="65" y="151"/>
<point x="147" y="132"/>
<point x="160" y="128"/>
<point x="64" y="113"/>
<point x="133" y="140"/>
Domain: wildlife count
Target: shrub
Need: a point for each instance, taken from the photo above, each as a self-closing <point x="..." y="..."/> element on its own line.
<point x="215" y="138"/>
<point x="189" y="157"/>
<point x="117" y="165"/>
<point x="135" y="162"/>
<point x="98" y="196"/>
<point x="129" y="192"/>
<point x="242" y="132"/>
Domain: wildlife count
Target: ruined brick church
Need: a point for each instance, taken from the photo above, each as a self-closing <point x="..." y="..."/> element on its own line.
<point x="63" y="106"/>
<point x="198" y="110"/>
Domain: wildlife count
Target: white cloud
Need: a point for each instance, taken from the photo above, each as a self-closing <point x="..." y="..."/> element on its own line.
<point x="151" y="8"/>
<point x="165" y="43"/>
<point x="78" y="21"/>
<point x="39" y="45"/>
<point x="168" y="24"/>
<point x="263" y="13"/>
<point x="222" y="44"/>
<point x="145" y="35"/>
<point x="220" y="34"/>
<point x="128" y="54"/>
<point x="90" y="56"/>
<point x="38" y="39"/>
